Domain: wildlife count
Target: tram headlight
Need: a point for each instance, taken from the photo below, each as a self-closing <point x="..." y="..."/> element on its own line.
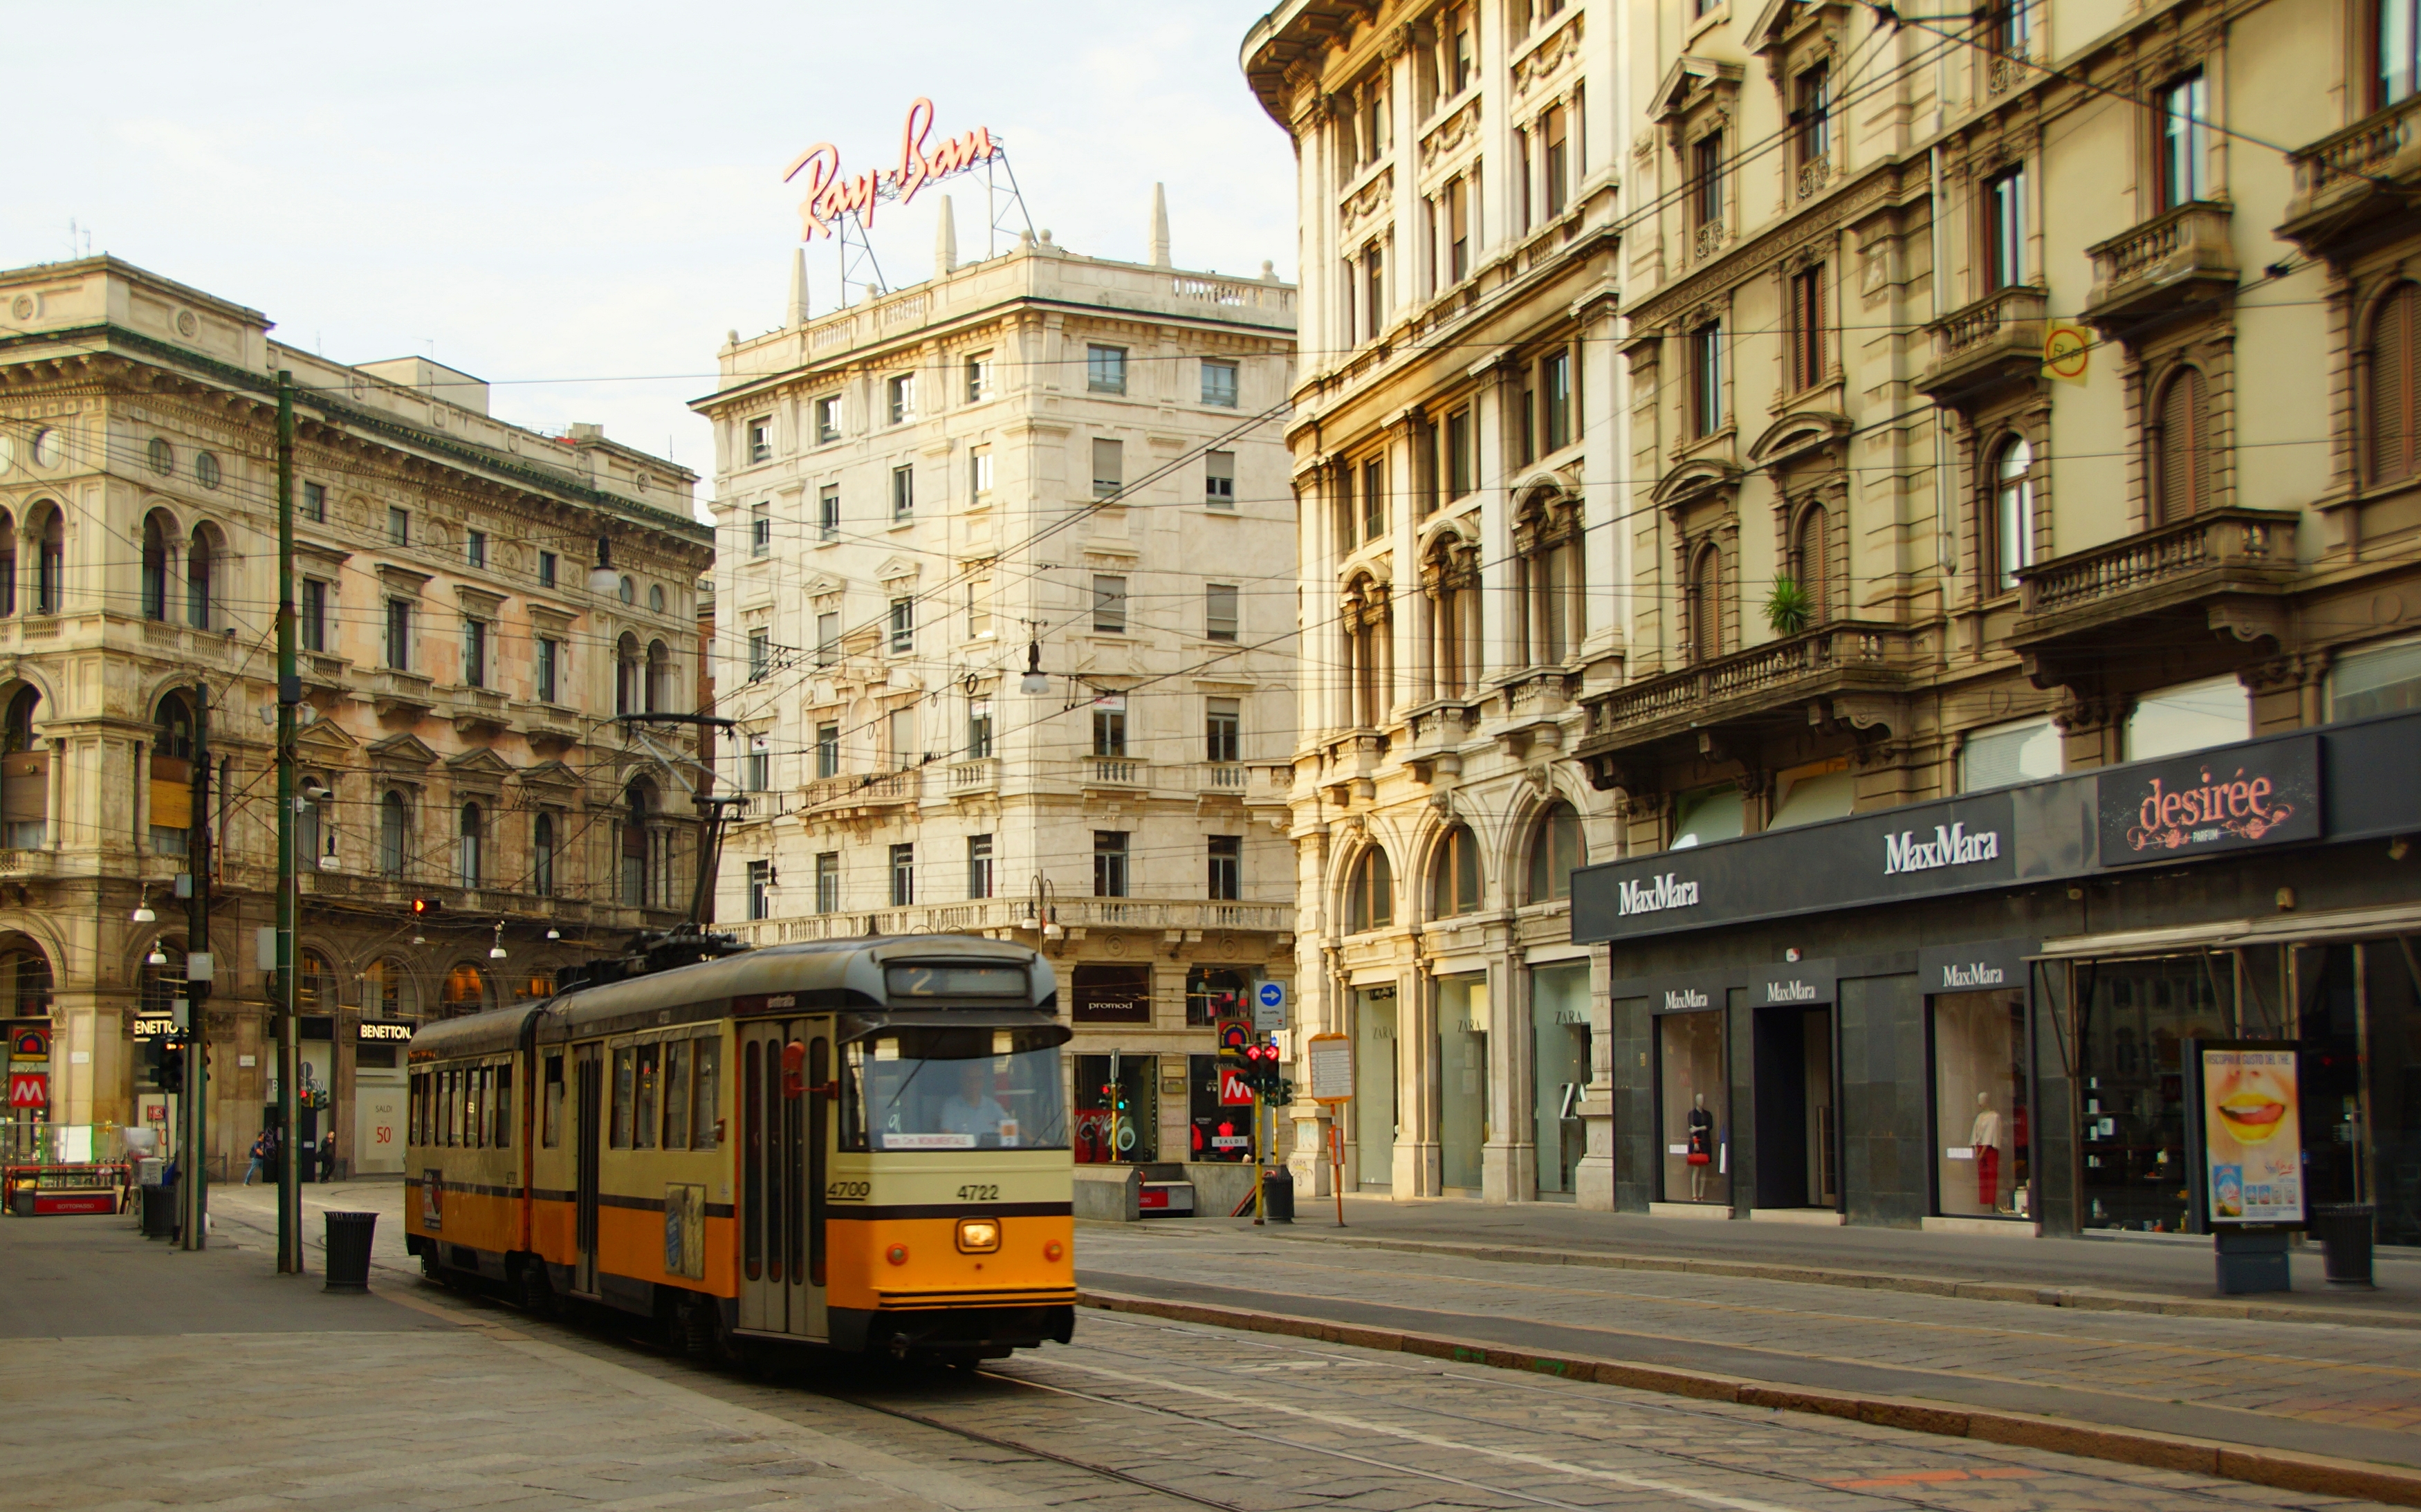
<point x="978" y="1236"/>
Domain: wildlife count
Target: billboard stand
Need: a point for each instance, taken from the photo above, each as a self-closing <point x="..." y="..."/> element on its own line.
<point x="2244" y="1138"/>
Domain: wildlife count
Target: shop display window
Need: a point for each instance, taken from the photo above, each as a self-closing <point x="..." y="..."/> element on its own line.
<point x="1980" y="1118"/>
<point x="2133" y="1018"/>
<point x="1117" y="1109"/>
<point x="1214" y="993"/>
<point x="2392" y="1004"/>
<point x="1559" y="1002"/>
<point x="1463" y="1077"/>
<point x="1692" y="1092"/>
<point x="1219" y="1132"/>
<point x="1375" y="1115"/>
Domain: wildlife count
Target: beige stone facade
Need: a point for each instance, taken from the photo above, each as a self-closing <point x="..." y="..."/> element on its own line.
<point x="1037" y="451"/>
<point x="459" y="673"/>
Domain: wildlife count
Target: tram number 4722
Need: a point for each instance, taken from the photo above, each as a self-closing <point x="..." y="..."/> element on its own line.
<point x="973" y="1194"/>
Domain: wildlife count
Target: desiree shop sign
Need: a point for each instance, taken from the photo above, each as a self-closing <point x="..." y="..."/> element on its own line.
<point x="2212" y="800"/>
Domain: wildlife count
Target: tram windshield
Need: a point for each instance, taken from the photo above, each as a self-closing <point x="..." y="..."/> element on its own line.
<point x="914" y="1088"/>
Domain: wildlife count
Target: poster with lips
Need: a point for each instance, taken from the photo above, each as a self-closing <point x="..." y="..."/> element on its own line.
<point x="2252" y="1131"/>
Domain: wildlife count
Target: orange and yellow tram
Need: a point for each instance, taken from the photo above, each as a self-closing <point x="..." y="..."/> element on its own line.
<point x="857" y="1145"/>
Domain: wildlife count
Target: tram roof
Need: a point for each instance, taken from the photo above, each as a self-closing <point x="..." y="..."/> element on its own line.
<point x="826" y="974"/>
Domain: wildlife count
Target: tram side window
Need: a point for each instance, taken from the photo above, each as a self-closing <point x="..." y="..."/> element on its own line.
<point x="504" y="1140"/>
<point x="483" y="1108"/>
<point x="419" y="1134"/>
<point x="449" y="1096"/>
<point x="650" y="1089"/>
<point x="677" y="1093"/>
<point x="625" y="1060"/>
<point x="550" y="1127"/>
<point x="705" y="1129"/>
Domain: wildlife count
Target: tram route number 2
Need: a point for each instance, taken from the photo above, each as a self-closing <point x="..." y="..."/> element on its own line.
<point x="980" y="1194"/>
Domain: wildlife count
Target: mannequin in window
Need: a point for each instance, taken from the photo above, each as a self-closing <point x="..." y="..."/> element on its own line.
<point x="1986" y="1140"/>
<point x="1702" y="1146"/>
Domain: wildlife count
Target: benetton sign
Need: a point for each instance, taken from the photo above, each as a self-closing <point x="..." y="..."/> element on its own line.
<point x="2268" y="794"/>
<point x="830" y="197"/>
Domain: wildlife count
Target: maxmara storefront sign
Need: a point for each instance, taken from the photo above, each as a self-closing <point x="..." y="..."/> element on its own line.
<point x="2342" y="781"/>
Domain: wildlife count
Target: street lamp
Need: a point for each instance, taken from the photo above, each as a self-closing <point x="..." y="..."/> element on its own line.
<point x="497" y="951"/>
<point x="1035" y="680"/>
<point x="603" y="579"/>
<point x="143" y="914"/>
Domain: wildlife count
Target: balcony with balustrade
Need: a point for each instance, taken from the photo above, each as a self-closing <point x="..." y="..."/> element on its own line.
<point x="2353" y="187"/>
<point x="1006" y="918"/>
<point x="861" y="795"/>
<point x="1983" y="348"/>
<point x="2177" y="259"/>
<point x="2220" y="570"/>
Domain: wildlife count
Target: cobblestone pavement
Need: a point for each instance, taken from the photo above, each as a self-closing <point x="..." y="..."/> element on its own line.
<point x="417" y="1397"/>
<point x="2318" y="1388"/>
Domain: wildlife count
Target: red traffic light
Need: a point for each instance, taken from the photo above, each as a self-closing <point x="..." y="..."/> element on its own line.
<point x="423" y="907"/>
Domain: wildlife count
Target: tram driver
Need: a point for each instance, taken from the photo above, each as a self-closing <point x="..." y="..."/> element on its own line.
<point x="974" y="1110"/>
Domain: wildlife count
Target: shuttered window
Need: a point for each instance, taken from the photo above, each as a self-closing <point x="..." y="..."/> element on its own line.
<point x="2395" y="385"/>
<point x="1706" y="630"/>
<point x="2184" y="449"/>
<point x="1809" y="563"/>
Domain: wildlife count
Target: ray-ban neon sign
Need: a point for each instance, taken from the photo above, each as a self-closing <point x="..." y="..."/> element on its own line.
<point x="830" y="197"/>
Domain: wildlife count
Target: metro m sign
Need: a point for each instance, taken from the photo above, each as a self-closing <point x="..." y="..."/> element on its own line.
<point x="29" y="1089"/>
<point x="1234" y="1091"/>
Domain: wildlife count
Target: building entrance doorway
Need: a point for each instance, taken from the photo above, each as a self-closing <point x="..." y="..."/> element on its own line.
<point x="1374" y="1088"/>
<point x="1796" y="1150"/>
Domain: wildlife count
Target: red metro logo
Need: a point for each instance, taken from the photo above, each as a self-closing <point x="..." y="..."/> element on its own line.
<point x="830" y="197"/>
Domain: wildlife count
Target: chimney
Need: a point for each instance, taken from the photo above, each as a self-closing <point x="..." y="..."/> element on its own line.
<point x="798" y="286"/>
<point x="946" y="240"/>
<point x="1159" y="226"/>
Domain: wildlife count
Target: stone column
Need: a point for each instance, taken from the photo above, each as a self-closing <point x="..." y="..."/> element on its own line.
<point x="1593" y="1182"/>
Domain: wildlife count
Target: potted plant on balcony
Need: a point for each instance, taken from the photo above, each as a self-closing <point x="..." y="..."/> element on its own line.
<point x="1788" y="608"/>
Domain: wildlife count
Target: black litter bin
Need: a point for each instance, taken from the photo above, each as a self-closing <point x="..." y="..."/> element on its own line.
<point x="2346" y="1232"/>
<point x="348" y="1251"/>
<point x="159" y="1210"/>
<point x="1278" y="1195"/>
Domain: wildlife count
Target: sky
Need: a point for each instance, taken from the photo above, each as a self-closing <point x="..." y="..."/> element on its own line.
<point x="577" y="202"/>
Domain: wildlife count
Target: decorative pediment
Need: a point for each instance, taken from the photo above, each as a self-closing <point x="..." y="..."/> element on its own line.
<point x="897" y="569"/>
<point x="823" y="585"/>
<point x="404" y="750"/>
<point x="478" y="603"/>
<point x="401" y="580"/>
<point x="551" y="776"/>
<point x="1801" y="431"/>
<point x="1691" y="79"/>
<point x="1695" y="481"/>
<point x="478" y="767"/>
<point x="327" y="736"/>
<point x="1783" y="20"/>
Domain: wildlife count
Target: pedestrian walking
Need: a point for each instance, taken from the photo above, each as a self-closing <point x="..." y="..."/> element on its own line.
<point x="327" y="1159"/>
<point x="261" y="1153"/>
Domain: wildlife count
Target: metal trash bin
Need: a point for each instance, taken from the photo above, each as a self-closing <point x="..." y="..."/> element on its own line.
<point x="348" y="1251"/>
<point x="1278" y="1195"/>
<point x="2346" y="1232"/>
<point x="159" y="1210"/>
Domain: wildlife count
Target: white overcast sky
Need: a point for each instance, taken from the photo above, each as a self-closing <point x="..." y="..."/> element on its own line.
<point x="576" y="202"/>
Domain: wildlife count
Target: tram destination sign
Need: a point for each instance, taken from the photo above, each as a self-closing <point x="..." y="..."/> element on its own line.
<point x="2222" y="800"/>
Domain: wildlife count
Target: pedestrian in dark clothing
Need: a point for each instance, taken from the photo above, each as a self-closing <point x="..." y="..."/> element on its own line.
<point x="262" y="1152"/>
<point x="327" y="1159"/>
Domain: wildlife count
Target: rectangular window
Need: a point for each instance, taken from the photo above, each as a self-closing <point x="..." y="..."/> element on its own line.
<point x="978" y="377"/>
<point x="1807" y="327"/>
<point x="1374" y="284"/>
<point x="1523" y="218"/>
<point x="398" y="634"/>
<point x="903" y="626"/>
<point x="978" y="866"/>
<point x="1109" y="604"/>
<point x="828" y="512"/>
<point x="549" y="1126"/>
<point x="706" y="1106"/>
<point x="2185" y="139"/>
<point x="827" y="419"/>
<point x="1556" y="385"/>
<point x="903" y="737"/>
<point x="1227" y="867"/>
<point x="1105" y="370"/>
<point x="1554" y="160"/>
<point x="760" y="530"/>
<point x="904" y="876"/>
<point x="828" y="749"/>
<point x="1219" y="611"/>
<point x="903" y="493"/>
<point x="475" y="547"/>
<point x="398" y="526"/>
<point x="827" y="638"/>
<point x="1374" y="498"/>
<point x="1109" y="862"/>
<point x="1707" y="379"/>
<point x="625" y="1079"/>
<point x="1811" y="122"/>
<point x="978" y="728"/>
<point x="761" y="440"/>
<point x="548" y="658"/>
<point x="475" y="653"/>
<point x="2398" y="46"/>
<point x="1460" y="61"/>
<point x="1458" y="229"/>
<point x="761" y="653"/>
<point x="901" y="399"/>
<point x="1347" y="521"/>
<point x="760" y="889"/>
<point x="2005" y="228"/>
<point x="1219" y="384"/>
<point x="546" y="566"/>
<point x="1219" y="479"/>
<point x="979" y="474"/>
<point x="1527" y="416"/>
<point x="1109" y="467"/>
<point x="315" y="504"/>
<point x="676" y="1094"/>
<point x="757" y="767"/>
<point x="1706" y="181"/>
<point x="1222" y="721"/>
<point x="643" y="1118"/>
<point x="828" y="881"/>
<point x="1109" y="724"/>
<point x="315" y="614"/>
<point x="980" y="607"/>
<point x="1460" y="471"/>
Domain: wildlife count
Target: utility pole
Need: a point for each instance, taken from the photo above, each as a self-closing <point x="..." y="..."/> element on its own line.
<point x="289" y="693"/>
<point x="194" y="1202"/>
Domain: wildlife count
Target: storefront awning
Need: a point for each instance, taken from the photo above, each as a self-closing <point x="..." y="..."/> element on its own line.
<point x="2225" y="934"/>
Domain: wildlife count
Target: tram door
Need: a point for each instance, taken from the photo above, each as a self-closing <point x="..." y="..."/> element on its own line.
<point x="785" y="1145"/>
<point x="588" y="1064"/>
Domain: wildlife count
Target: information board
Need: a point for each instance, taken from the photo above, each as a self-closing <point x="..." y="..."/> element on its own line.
<point x="1331" y="1068"/>
<point x="2250" y="1101"/>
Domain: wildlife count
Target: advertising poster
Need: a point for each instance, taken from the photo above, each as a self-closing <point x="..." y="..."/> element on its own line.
<point x="2253" y="1143"/>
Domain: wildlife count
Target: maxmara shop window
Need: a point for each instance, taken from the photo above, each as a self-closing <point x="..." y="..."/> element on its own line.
<point x="1691" y="1096"/>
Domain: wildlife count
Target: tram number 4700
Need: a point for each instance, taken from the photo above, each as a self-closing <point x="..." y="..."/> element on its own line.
<point x="980" y="1194"/>
<point x="847" y="1190"/>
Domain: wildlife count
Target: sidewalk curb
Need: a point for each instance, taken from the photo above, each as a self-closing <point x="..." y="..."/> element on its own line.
<point x="2281" y="1469"/>
<point x="2084" y="1299"/>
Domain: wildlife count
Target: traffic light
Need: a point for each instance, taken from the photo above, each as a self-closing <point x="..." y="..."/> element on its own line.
<point x="169" y="1074"/>
<point x="1262" y="1073"/>
<point x="423" y="908"/>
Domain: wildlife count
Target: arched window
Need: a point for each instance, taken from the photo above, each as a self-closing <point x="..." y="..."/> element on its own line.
<point x="1555" y="850"/>
<point x="155" y="565"/>
<point x="1454" y="875"/>
<point x="26" y="979"/>
<point x="1811" y="562"/>
<point x="1371" y="893"/>
<point x="660" y="677"/>
<point x="49" y="530"/>
<point x="1368" y="651"/>
<point x="467" y="853"/>
<point x="465" y="991"/>
<point x="1706" y="605"/>
<point x="387" y="990"/>
<point x="542" y="856"/>
<point x="172" y="775"/>
<point x="1547" y="581"/>
<point x="394" y="827"/>
<point x="8" y="564"/>
<point x="201" y="572"/>
<point x="2013" y="510"/>
<point x="626" y="674"/>
<point x="315" y="984"/>
<point x="2182" y="455"/>
<point x="2395" y="383"/>
<point x="1450" y="583"/>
